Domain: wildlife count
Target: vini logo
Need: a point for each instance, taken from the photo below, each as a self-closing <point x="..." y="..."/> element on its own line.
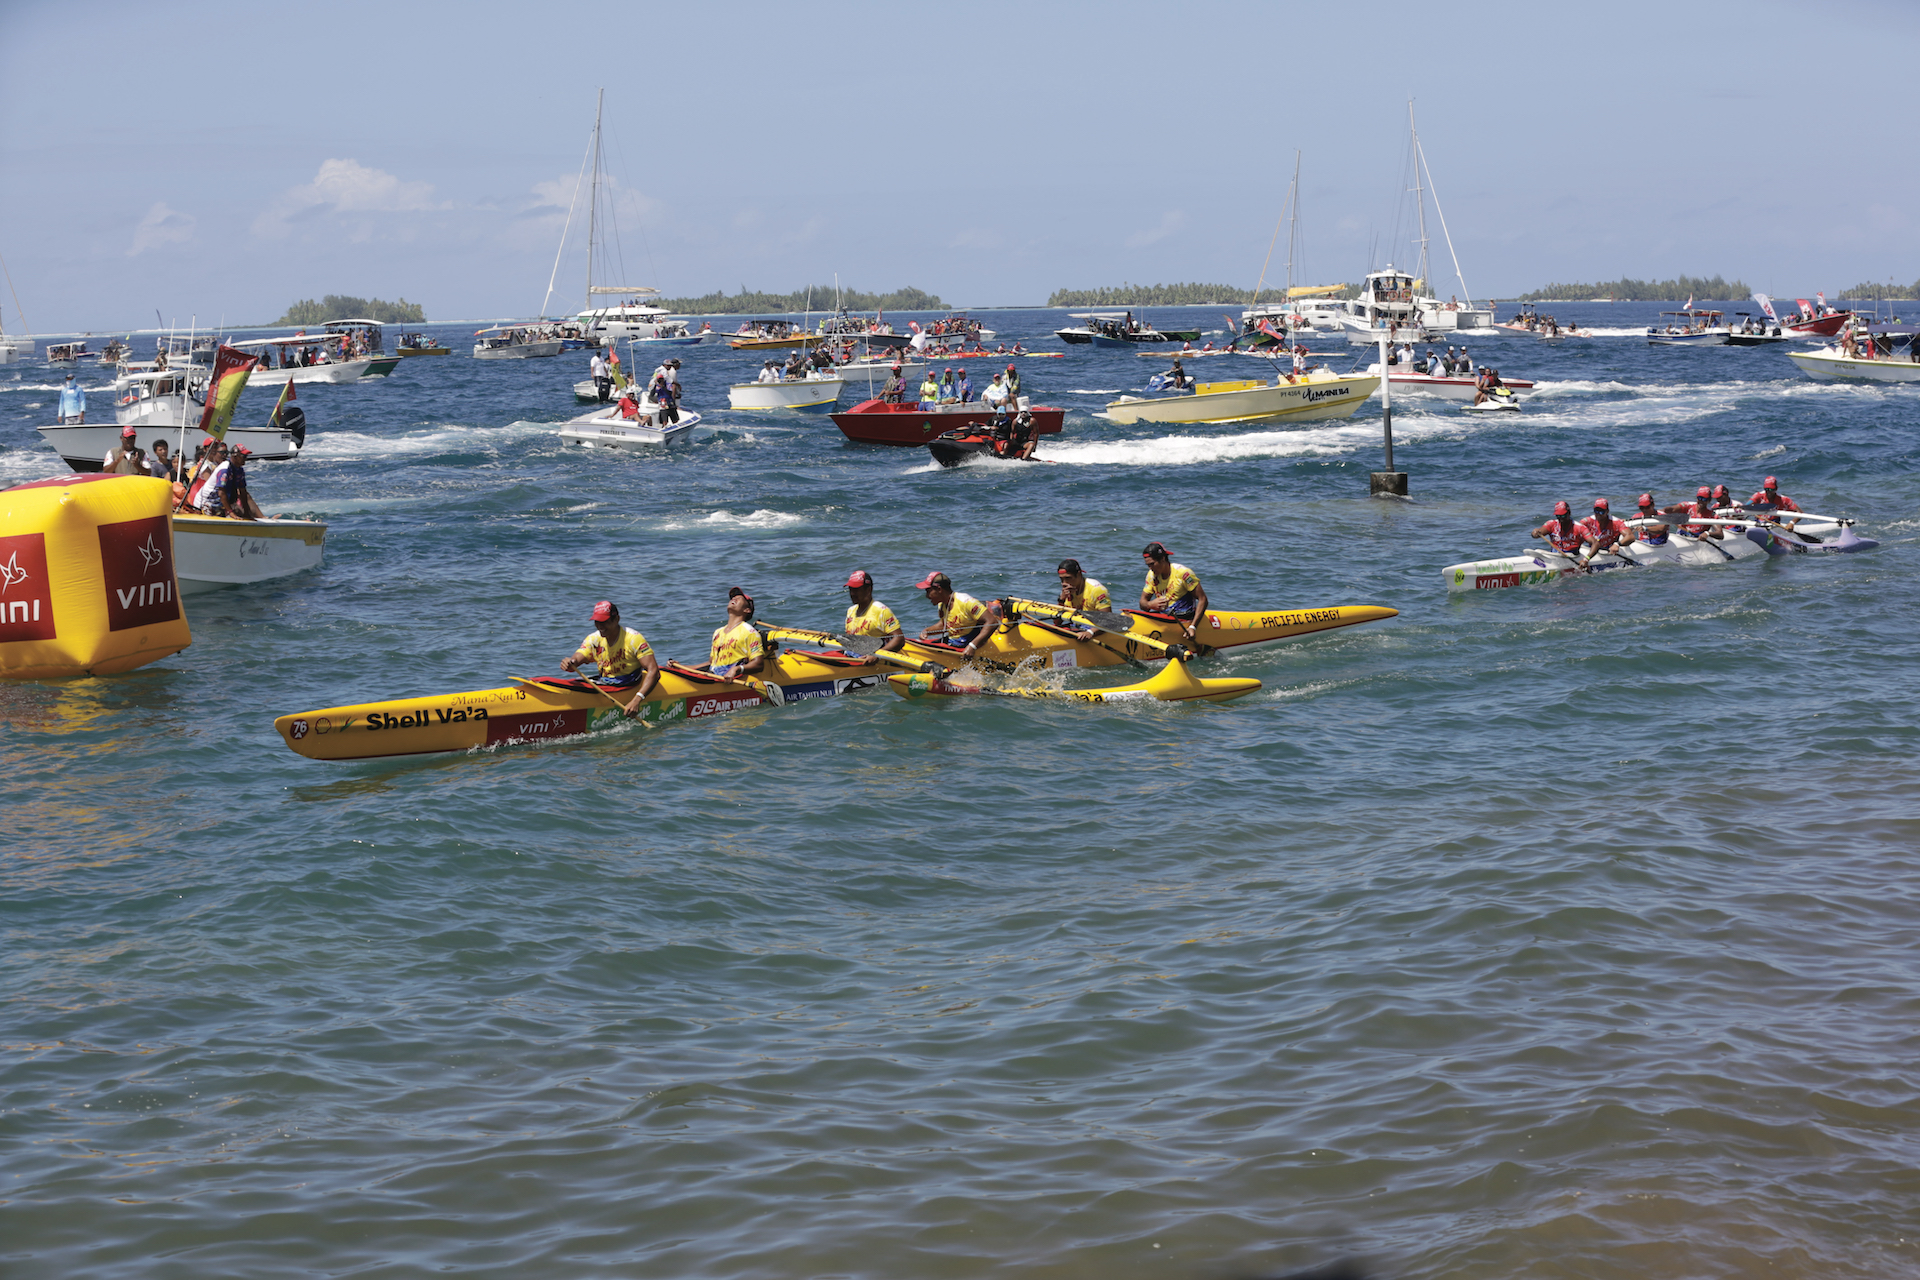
<point x="26" y="601"/>
<point x="136" y="563"/>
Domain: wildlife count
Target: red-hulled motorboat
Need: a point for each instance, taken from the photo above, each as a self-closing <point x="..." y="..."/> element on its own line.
<point x="1818" y="326"/>
<point x="910" y="424"/>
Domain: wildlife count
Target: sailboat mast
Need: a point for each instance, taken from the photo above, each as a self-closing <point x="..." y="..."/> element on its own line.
<point x="1293" y="228"/>
<point x="1419" y="199"/>
<point x="593" y="200"/>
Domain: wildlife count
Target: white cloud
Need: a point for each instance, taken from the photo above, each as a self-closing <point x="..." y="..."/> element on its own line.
<point x="162" y="225"/>
<point x="1170" y="222"/>
<point x="345" y="186"/>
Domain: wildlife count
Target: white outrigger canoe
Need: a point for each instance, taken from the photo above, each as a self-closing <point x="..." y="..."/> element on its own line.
<point x="606" y="429"/>
<point x="1742" y="539"/>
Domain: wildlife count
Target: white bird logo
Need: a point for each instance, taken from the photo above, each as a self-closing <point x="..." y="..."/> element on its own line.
<point x="151" y="554"/>
<point x="11" y="572"/>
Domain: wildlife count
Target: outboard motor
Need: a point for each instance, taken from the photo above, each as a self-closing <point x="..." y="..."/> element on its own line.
<point x="292" y="419"/>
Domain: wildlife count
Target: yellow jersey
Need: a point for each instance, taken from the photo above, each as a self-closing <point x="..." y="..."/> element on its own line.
<point x="878" y="620"/>
<point x="627" y="654"/>
<point x="1181" y="582"/>
<point x="735" y="643"/>
<point x="1092" y="596"/>
<point x="962" y="613"/>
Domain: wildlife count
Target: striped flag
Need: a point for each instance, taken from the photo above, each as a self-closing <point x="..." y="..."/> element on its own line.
<point x="230" y="370"/>
<point x="286" y="394"/>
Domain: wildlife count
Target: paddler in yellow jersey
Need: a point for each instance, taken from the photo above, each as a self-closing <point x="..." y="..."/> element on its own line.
<point x="1078" y="591"/>
<point x="738" y="651"/>
<point x="622" y="654"/>
<point x="1172" y="589"/>
<point x="963" y="620"/>
<point x="868" y="617"/>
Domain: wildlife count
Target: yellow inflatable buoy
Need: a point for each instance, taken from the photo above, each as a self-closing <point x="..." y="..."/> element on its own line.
<point x="87" y="586"/>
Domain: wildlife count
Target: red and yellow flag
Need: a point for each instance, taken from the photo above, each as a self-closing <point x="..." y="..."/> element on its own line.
<point x="230" y="369"/>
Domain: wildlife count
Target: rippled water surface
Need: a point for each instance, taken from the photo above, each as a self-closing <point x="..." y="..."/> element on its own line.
<point x="1561" y="931"/>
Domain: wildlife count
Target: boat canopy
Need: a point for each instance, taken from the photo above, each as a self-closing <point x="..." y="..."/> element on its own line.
<point x="1098" y="315"/>
<point x="299" y="340"/>
<point x="1314" y="290"/>
<point x="1697" y="315"/>
<point x="636" y="290"/>
<point x="1889" y="330"/>
<point x="354" y="324"/>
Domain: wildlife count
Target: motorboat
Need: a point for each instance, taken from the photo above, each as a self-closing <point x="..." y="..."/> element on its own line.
<point x="875" y="332"/>
<point x="816" y="393"/>
<point x="1866" y="353"/>
<point x="1010" y="439"/>
<point x="770" y="335"/>
<point x="1689" y="328"/>
<point x="210" y="552"/>
<point x="1318" y="394"/>
<point x="1404" y="380"/>
<point x="870" y="373"/>
<point x="517" y="342"/>
<point x="418" y="344"/>
<point x="309" y="358"/>
<point x="1749" y="333"/>
<point x="1118" y="329"/>
<point x="168" y="404"/>
<point x="69" y="352"/>
<point x="956" y="328"/>
<point x="1386" y="308"/>
<point x="1307" y="311"/>
<point x="1816" y="319"/>
<point x="609" y="429"/>
<point x="912" y="424"/>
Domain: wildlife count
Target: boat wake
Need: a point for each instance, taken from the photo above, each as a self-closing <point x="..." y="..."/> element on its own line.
<point x="761" y="519"/>
<point x="354" y="446"/>
<point x="1189" y="450"/>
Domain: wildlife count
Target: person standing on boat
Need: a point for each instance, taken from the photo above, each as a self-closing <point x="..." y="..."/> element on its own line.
<point x="73" y="403"/>
<point x="127" y="459"/>
<point x="1013" y="383"/>
<point x="947" y="395"/>
<point x="966" y="387"/>
<point x="1172" y="589"/>
<point x="602" y="377"/>
<point x="160" y="463"/>
<point x="1078" y="591"/>
<point x="868" y="617"/>
<point x="622" y="654"/>
<point x="894" y="391"/>
<point x="737" y="649"/>
<point x="767" y="372"/>
<point x="963" y="620"/>
<point x="929" y="391"/>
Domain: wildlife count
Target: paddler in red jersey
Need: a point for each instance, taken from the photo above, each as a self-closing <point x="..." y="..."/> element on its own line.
<point x="1172" y="589"/>
<point x="868" y="617"/>
<point x="622" y="654"/>
<point x="1603" y="530"/>
<point x="1563" y="533"/>
<point x="1702" y="505"/>
<point x="737" y="650"/>
<point x="1770" y="496"/>
<point x="1654" y="535"/>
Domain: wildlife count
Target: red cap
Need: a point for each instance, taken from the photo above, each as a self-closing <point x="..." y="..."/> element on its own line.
<point x="860" y="578"/>
<point x="1009" y="368"/>
<point x="1600" y="504"/>
<point x="1771" y="483"/>
<point x="603" y="612"/>
<point x="127" y="432"/>
<point x="934" y="580"/>
<point x="1646" y="499"/>
<point x="244" y="452"/>
<point x="1562" y="509"/>
<point x="1703" y="492"/>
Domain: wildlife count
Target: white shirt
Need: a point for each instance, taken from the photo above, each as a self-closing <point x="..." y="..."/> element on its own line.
<point x="599" y="365"/>
<point x="210" y="491"/>
<point x="995" y="394"/>
<point x="769" y="374"/>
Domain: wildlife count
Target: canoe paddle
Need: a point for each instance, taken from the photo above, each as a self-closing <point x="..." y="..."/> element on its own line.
<point x="861" y="646"/>
<point x="1118" y="624"/>
<point x="542" y="680"/>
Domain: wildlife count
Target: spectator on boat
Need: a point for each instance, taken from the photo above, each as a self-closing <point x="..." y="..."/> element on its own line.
<point x="895" y="389"/>
<point x="234" y="498"/>
<point x="1013" y="383"/>
<point x="602" y="376"/>
<point x="767" y="372"/>
<point x="929" y="391"/>
<point x="964" y="385"/>
<point x="127" y="459"/>
<point x="161" y="465"/>
<point x="73" y="402"/>
<point x="994" y="395"/>
<point x="1176" y="377"/>
<point x="204" y="495"/>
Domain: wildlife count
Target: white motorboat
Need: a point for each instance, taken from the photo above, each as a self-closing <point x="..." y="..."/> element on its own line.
<point x="161" y="406"/>
<point x="517" y="342"/>
<point x="1385" y="308"/>
<point x="1320" y="394"/>
<point x="815" y="393"/>
<point x="1447" y="387"/>
<point x="870" y="375"/>
<point x="607" y="429"/>
<point x="1894" y="356"/>
<point x="210" y="552"/>
<point x="310" y="358"/>
<point x="1689" y="328"/>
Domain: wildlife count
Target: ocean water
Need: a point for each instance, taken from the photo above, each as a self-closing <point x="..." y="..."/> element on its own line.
<point x="1551" y="932"/>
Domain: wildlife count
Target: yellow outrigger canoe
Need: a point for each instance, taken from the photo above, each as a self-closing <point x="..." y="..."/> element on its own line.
<point x="1173" y="683"/>
<point x="533" y="710"/>
<point x="1041" y="628"/>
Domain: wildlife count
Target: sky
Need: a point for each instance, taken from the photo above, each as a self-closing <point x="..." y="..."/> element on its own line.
<point x="220" y="162"/>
